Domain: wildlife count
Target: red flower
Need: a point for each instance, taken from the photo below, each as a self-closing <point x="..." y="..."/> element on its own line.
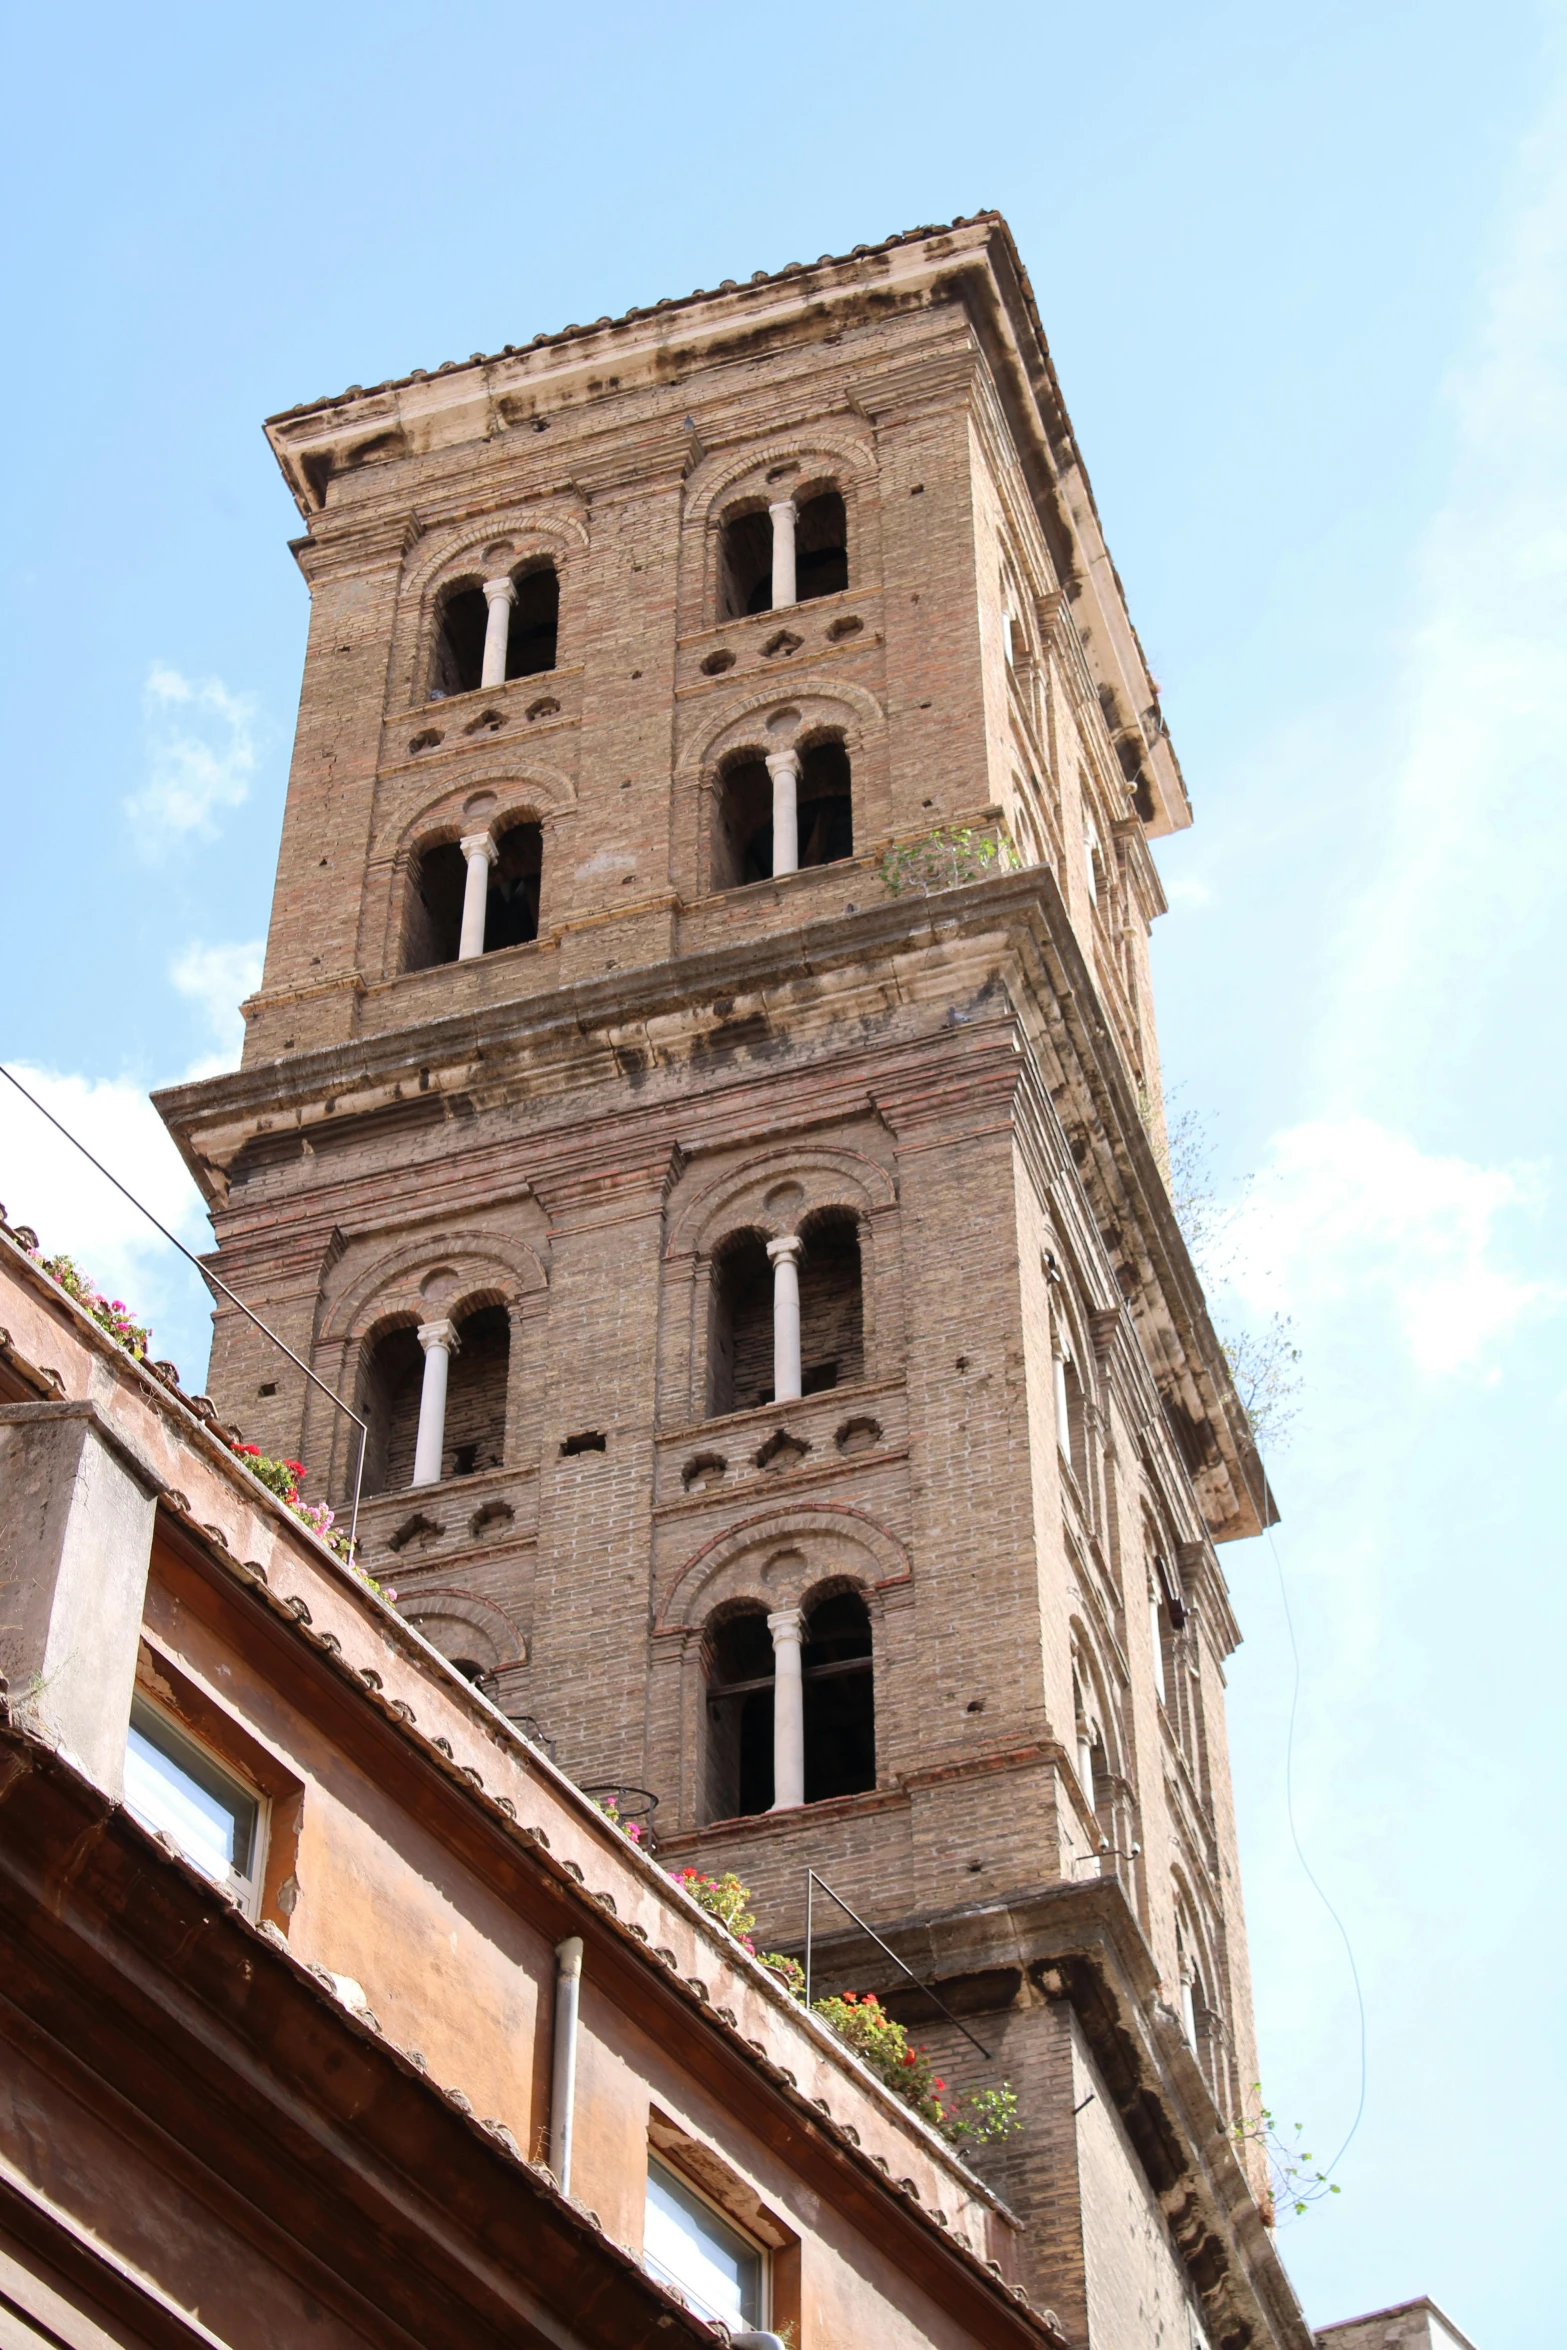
<point x="297" y="1467"/>
<point x="938" y="2084"/>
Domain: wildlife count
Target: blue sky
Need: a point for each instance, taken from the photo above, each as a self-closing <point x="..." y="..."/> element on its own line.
<point x="1304" y="280"/>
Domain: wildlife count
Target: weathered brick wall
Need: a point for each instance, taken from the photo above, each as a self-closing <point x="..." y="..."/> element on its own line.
<point x="572" y="1127"/>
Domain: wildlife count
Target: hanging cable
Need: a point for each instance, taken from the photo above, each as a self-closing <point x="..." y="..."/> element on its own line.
<point x="212" y="1282"/>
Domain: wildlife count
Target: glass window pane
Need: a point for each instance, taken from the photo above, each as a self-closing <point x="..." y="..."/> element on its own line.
<point x="686" y="2244"/>
<point x="171" y="1784"/>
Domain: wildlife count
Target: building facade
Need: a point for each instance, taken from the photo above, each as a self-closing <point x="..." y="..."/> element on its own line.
<point x="331" y="2013"/>
<point x="703" y="1110"/>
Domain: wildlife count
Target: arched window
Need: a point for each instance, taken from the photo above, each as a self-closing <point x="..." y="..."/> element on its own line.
<point x="739" y="1672"/>
<point x="824" y="815"/>
<point x="463" y="628"/>
<point x="509" y="879"/>
<point x="743" y="833"/>
<point x="476" y="1394"/>
<point x="535" y="623"/>
<point x="840" y="1699"/>
<point x="759" y="543"/>
<point x="511" y="912"/>
<point x="826" y="804"/>
<point x="472" y="1424"/>
<point x="745" y="563"/>
<point x="459" y="643"/>
<point x="832" y="1332"/>
<point x="432" y="929"/>
<point x="821" y="542"/>
<point x="740" y="1345"/>
<point x="389" y="1401"/>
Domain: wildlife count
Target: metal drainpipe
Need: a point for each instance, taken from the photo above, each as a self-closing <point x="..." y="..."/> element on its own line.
<point x="563" y="2085"/>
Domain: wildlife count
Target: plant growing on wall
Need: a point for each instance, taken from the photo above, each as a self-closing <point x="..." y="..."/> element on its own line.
<point x="859" y="2018"/>
<point x="110" y="1313"/>
<point x="1294" y="2186"/>
<point x="945" y="860"/>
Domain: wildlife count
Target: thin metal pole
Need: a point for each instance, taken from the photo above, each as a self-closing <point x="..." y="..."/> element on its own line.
<point x="810" y="1899"/>
<point x="811" y="1877"/>
<point x="214" y="1283"/>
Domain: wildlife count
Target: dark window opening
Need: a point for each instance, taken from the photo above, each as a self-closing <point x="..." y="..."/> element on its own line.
<point x="476" y="1394"/>
<point x="743" y="846"/>
<point x="824" y="799"/>
<point x="740" y="1717"/>
<point x="389" y="1402"/>
<point x="740" y="1347"/>
<point x="393" y="1383"/>
<point x="840" y="1700"/>
<point x="745" y="565"/>
<point x="459" y="644"/>
<point x="826" y="806"/>
<point x="511" y="913"/>
<point x="530" y="636"/>
<point x="821" y="547"/>
<point x="469" y="1667"/>
<point x="832" y="1335"/>
<point x="434" y="923"/>
<point x="586" y="1440"/>
<point x="535" y="624"/>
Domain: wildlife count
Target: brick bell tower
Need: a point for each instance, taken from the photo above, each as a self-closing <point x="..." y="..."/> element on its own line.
<point x="703" y="1102"/>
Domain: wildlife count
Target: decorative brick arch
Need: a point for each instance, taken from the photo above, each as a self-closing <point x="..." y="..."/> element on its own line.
<point x="459" y="1623"/>
<point x="455" y="554"/>
<point x="826" y="704"/>
<point x="486" y="1268"/>
<point x="523" y="795"/>
<point x="779" y="1556"/>
<point x="827" y="1176"/>
<point x="844" y="458"/>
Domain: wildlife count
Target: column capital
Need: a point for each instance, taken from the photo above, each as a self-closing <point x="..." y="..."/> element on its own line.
<point x="442" y="1334"/>
<point x="788" y="1248"/>
<point x="787" y="1624"/>
<point x="479" y="844"/>
<point x="496" y="590"/>
<point x="777" y="506"/>
<point x="783" y="763"/>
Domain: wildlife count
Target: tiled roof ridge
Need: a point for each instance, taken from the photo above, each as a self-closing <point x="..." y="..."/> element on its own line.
<point x="564" y="334"/>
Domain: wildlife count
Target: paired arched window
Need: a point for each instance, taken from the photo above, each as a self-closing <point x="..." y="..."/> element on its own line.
<point x="505" y="628"/>
<point x="757" y="1743"/>
<point x="473" y="896"/>
<point x="799" y="1302"/>
<point x="772" y="555"/>
<point x="807" y="796"/>
<point x="434" y="1399"/>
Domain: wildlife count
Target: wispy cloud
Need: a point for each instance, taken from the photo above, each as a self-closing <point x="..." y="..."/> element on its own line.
<point x="217" y="980"/>
<point x="1349" y="1213"/>
<point x="201" y="756"/>
<point x="1477" y="830"/>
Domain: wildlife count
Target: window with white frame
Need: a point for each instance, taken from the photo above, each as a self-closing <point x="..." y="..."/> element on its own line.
<point x="689" y="2244"/>
<point x="175" y="1784"/>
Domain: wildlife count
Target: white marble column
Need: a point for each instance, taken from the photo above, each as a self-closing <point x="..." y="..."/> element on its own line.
<point x="439" y="1340"/>
<point x="1063" y="1405"/>
<point x="784" y="768"/>
<point x="784" y="1257"/>
<point x="784" y="514"/>
<point x="481" y="854"/>
<point x="500" y="595"/>
<point x="788" y="1630"/>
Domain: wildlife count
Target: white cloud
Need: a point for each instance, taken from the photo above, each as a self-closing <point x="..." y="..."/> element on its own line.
<point x="47" y="1184"/>
<point x="218" y="979"/>
<point x="1477" y="829"/>
<point x="1349" y="1210"/>
<point x="201" y="746"/>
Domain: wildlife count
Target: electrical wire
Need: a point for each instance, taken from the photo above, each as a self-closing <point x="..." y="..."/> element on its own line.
<point x="212" y="1282"/>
